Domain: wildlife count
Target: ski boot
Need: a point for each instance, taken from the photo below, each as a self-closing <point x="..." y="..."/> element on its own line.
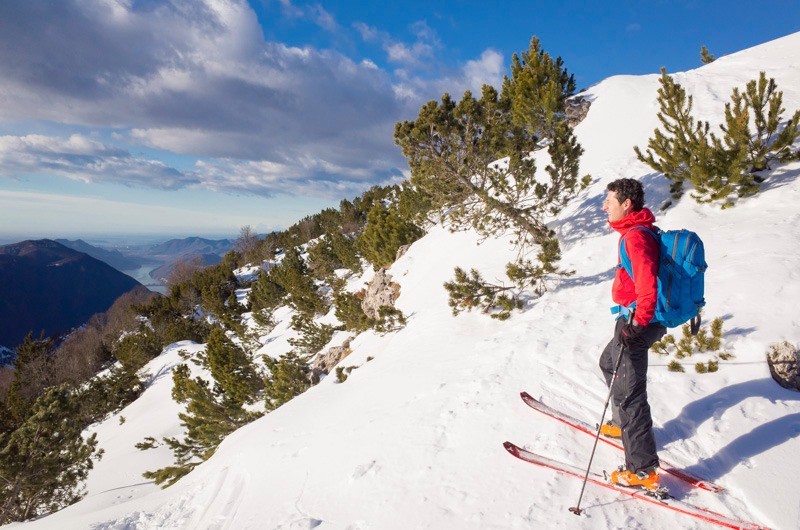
<point x="610" y="430"/>
<point x="648" y="481"/>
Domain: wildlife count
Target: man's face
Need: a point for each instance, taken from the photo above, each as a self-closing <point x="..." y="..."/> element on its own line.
<point x="614" y="208"/>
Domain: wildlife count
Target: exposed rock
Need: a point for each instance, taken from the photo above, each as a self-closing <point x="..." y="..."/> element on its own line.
<point x="324" y="363"/>
<point x="380" y="292"/>
<point x="402" y="250"/>
<point x="784" y="364"/>
<point x="577" y="109"/>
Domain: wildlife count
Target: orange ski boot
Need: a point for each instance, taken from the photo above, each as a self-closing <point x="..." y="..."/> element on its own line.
<point x="610" y="430"/>
<point x="643" y="479"/>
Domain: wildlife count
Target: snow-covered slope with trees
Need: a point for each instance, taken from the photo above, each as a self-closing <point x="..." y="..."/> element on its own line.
<point x="413" y="438"/>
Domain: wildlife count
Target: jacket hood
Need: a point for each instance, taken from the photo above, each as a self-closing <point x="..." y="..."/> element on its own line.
<point x="643" y="217"/>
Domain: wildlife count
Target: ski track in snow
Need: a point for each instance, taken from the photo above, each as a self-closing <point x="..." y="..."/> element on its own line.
<point x="413" y="438"/>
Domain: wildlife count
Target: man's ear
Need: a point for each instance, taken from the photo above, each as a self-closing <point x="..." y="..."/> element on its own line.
<point x="627" y="204"/>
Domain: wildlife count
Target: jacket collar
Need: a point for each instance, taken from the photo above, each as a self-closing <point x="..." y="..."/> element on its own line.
<point x="643" y="217"/>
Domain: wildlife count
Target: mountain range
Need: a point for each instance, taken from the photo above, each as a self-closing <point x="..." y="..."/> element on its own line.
<point x="115" y="258"/>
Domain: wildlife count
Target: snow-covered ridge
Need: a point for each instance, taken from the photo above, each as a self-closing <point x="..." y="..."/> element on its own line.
<point x="413" y="438"/>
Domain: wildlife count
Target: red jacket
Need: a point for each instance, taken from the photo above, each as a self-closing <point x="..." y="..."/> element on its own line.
<point x="642" y="250"/>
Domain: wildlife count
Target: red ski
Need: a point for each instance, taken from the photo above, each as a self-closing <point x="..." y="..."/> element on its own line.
<point x="669" y="502"/>
<point x="585" y="427"/>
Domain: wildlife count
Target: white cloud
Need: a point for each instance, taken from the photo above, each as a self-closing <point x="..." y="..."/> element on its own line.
<point x="290" y="10"/>
<point x="368" y="33"/>
<point x="323" y="18"/>
<point x="487" y="69"/>
<point x="80" y="158"/>
<point x="403" y="53"/>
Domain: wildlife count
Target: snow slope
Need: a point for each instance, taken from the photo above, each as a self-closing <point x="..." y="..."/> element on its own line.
<point x="413" y="438"/>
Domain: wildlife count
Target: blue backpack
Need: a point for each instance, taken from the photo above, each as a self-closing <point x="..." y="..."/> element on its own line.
<point x="681" y="269"/>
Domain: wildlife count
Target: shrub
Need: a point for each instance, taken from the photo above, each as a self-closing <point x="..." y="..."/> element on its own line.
<point x="294" y="277"/>
<point x="137" y="349"/>
<point x="313" y="337"/>
<point x="721" y="169"/>
<point x="289" y="377"/>
<point x="43" y="473"/>
<point x="385" y="232"/>
<point x="350" y="313"/>
<point x="675" y="366"/>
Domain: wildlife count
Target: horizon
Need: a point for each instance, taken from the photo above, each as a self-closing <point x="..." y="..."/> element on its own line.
<point x="117" y="240"/>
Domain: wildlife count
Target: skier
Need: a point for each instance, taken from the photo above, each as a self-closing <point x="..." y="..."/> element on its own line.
<point x="632" y="339"/>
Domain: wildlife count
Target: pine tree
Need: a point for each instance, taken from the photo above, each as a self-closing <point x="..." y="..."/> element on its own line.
<point x="294" y="277"/>
<point x="289" y="377"/>
<point x="385" y="232"/>
<point x="349" y="312"/>
<point x="322" y="260"/>
<point x="538" y="88"/>
<point x="33" y="372"/>
<point x="266" y="295"/>
<point x="45" y="460"/>
<point x="313" y="336"/>
<point x="671" y="151"/>
<point x="766" y="104"/>
<point x="208" y="419"/>
<point x="344" y="248"/>
<point x="108" y="393"/>
<point x="235" y="378"/>
<point x="415" y="206"/>
<point x="134" y="350"/>
<point x="705" y="56"/>
<point x="472" y="158"/>
<point x="721" y="169"/>
<point x="467" y="291"/>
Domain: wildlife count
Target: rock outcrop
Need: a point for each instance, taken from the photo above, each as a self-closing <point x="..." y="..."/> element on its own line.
<point x="576" y="110"/>
<point x="784" y="364"/>
<point x="325" y="362"/>
<point x="402" y="249"/>
<point x="380" y="292"/>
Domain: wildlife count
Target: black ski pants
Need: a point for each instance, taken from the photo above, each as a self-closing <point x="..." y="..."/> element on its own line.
<point x="630" y="410"/>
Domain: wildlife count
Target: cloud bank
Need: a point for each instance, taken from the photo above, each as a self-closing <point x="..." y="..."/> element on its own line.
<point x="197" y="78"/>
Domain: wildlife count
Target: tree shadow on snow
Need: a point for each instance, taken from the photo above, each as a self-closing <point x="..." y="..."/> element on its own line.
<point x="757" y="441"/>
<point x="589" y="219"/>
<point x="761" y="439"/>
<point x="583" y="281"/>
<point x="779" y="177"/>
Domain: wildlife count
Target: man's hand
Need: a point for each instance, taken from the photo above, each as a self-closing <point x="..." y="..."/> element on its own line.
<point x="630" y="333"/>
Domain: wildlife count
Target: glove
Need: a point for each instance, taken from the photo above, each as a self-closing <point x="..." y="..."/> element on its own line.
<point x="630" y="333"/>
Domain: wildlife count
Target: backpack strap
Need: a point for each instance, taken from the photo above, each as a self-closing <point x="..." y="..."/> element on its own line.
<point x="625" y="263"/>
<point x="624" y="260"/>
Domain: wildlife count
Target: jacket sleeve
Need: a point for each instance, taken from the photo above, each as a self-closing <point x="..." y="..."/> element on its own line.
<point x="642" y="249"/>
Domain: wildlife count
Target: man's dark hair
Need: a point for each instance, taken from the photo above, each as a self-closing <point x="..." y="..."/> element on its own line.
<point x="628" y="189"/>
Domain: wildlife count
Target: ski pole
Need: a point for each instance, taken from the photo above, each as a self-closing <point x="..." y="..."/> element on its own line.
<point x="577" y="508"/>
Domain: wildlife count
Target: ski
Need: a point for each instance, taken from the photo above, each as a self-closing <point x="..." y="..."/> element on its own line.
<point x="668" y="502"/>
<point x="585" y="427"/>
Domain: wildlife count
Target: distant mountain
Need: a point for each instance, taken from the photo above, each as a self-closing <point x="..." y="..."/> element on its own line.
<point x="113" y="257"/>
<point x="162" y="273"/>
<point x="191" y="245"/>
<point x="49" y="287"/>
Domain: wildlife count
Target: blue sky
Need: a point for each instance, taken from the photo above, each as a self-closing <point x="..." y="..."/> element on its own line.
<point x="175" y="118"/>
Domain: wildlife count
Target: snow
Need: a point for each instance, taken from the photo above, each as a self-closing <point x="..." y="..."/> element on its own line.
<point x="413" y="438"/>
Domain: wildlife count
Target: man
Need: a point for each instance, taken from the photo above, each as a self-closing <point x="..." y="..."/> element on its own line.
<point x="632" y="339"/>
